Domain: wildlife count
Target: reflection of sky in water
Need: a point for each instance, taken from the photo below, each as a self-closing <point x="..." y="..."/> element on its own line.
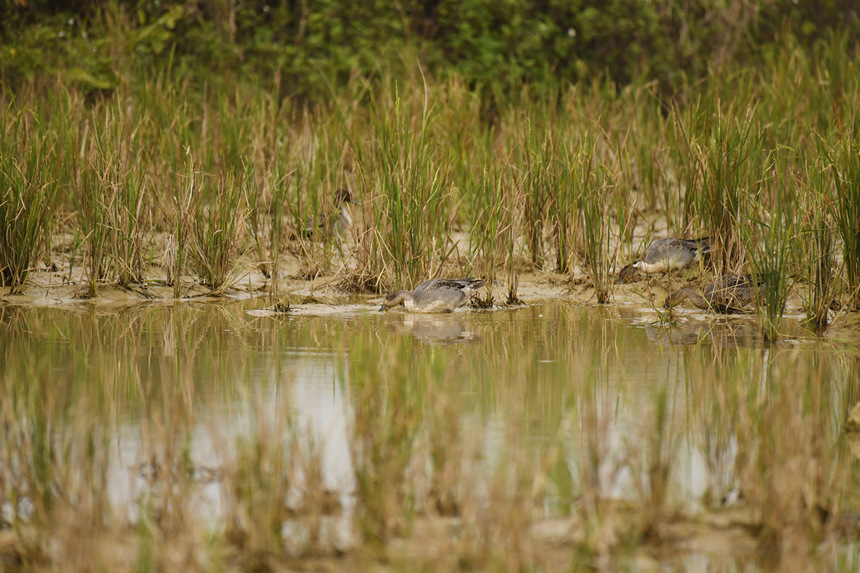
<point x="315" y="401"/>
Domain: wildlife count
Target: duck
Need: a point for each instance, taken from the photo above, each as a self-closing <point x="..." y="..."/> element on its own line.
<point x="434" y="295"/>
<point x="668" y="254"/>
<point x="727" y="293"/>
<point x="327" y="224"/>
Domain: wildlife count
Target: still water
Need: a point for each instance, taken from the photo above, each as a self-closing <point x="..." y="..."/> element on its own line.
<point x="578" y="403"/>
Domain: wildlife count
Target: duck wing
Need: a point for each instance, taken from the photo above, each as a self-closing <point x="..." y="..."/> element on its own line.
<point x="438" y="285"/>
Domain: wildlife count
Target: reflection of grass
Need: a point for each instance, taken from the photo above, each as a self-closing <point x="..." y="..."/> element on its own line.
<point x="527" y="434"/>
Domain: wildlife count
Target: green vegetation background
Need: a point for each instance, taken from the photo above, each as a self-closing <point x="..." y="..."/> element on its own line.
<point x="310" y="47"/>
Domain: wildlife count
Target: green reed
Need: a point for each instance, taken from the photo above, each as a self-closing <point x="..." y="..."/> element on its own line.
<point x="642" y="148"/>
<point x="593" y="188"/>
<point x="550" y="210"/>
<point x="29" y="187"/>
<point x="124" y="182"/>
<point x="92" y="201"/>
<point x="687" y="153"/>
<point x="563" y="211"/>
<point x="843" y="159"/>
<point x="218" y="221"/>
<point x="538" y="150"/>
<point x="415" y="190"/>
<point x="278" y="183"/>
<point x="731" y="150"/>
<point x="492" y="219"/>
<point x="819" y="233"/>
<point x="186" y="196"/>
<point x="430" y="160"/>
<point x="771" y="240"/>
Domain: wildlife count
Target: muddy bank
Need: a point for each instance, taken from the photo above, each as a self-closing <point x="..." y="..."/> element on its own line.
<point x="302" y="291"/>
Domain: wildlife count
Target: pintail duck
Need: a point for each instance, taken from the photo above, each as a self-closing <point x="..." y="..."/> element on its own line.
<point x="726" y="294"/>
<point x="326" y="224"/>
<point x="434" y="295"/>
<point x="666" y="254"/>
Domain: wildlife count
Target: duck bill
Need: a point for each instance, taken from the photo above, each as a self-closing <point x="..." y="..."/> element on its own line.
<point x="383" y="308"/>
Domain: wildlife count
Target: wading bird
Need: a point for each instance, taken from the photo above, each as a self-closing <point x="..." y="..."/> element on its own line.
<point x="434" y="295"/>
<point x="667" y="254"/>
<point x="726" y="294"/>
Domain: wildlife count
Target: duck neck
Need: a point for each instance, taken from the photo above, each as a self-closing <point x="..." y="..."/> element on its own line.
<point x="399" y="297"/>
<point x="688" y="293"/>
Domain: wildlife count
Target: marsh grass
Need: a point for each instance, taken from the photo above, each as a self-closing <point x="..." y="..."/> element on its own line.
<point x="29" y="190"/>
<point x="186" y="196"/>
<point x="415" y="188"/>
<point x="819" y="234"/>
<point x="217" y="242"/>
<point x="843" y="158"/>
<point x="92" y="202"/>
<point x="433" y="164"/>
<point x="541" y="179"/>
<point x="278" y="183"/>
<point x="493" y="220"/>
<point x="593" y="188"/>
<point x="771" y="241"/>
<point x="730" y="152"/>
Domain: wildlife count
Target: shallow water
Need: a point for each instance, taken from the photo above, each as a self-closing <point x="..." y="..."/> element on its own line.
<point x="577" y="401"/>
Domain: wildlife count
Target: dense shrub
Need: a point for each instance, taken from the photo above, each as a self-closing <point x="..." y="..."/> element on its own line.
<point x="313" y="46"/>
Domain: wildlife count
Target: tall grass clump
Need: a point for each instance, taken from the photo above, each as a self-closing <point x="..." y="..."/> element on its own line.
<point x="641" y="144"/>
<point x="771" y="240"/>
<point x="731" y="150"/>
<point x="266" y="181"/>
<point x="122" y="159"/>
<point x="414" y="182"/>
<point x="687" y="154"/>
<point x="186" y="195"/>
<point x="843" y="160"/>
<point x="494" y="226"/>
<point x="819" y="235"/>
<point x="28" y="192"/>
<point x="538" y="149"/>
<point x="218" y="222"/>
<point x="545" y="163"/>
<point x="593" y="189"/>
<point x="91" y="200"/>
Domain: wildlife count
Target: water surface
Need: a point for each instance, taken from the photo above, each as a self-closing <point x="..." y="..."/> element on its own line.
<point x="580" y="403"/>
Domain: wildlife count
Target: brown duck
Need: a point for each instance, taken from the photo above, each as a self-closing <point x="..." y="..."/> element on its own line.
<point x="726" y="294"/>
